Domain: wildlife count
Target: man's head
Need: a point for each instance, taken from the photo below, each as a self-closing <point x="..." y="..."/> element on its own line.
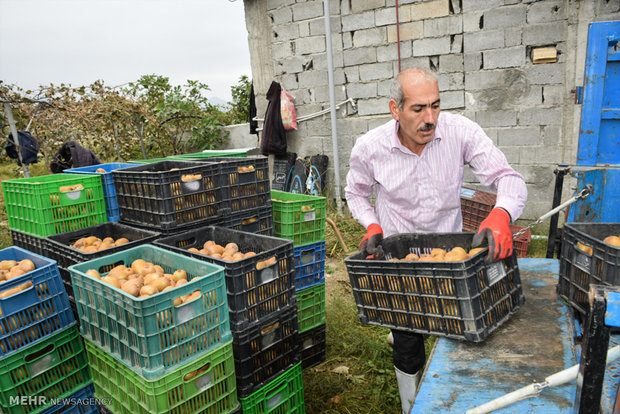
<point x="414" y="102"/>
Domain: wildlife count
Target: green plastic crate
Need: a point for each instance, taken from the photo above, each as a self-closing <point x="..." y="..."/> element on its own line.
<point x="212" y="391"/>
<point x="148" y="161"/>
<point x="298" y="217"/>
<point x="36" y="205"/>
<point x="55" y="367"/>
<point x="283" y="395"/>
<point x="151" y="335"/>
<point x="209" y="154"/>
<point x="311" y="307"/>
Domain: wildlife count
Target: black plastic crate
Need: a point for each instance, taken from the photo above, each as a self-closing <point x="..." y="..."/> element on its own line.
<point x="29" y="242"/>
<point x="313" y="343"/>
<point x="266" y="350"/>
<point x="253" y="294"/>
<point x="157" y="195"/>
<point x="244" y="189"/>
<point x="585" y="259"/>
<point x="257" y="221"/>
<point x="465" y="300"/>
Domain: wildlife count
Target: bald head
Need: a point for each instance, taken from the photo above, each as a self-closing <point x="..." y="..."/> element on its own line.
<point x="413" y="77"/>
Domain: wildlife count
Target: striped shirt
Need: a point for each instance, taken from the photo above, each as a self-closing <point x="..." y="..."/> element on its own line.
<point x="421" y="194"/>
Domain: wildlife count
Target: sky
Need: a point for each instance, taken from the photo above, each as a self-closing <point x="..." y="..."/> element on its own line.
<point x="80" y="41"/>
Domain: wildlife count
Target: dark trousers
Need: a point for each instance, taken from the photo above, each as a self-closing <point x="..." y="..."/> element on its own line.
<point x="408" y="351"/>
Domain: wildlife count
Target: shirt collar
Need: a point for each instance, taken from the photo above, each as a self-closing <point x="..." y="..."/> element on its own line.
<point x="396" y="144"/>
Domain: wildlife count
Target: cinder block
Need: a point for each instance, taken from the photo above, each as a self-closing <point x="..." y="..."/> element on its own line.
<point x="281" y="50"/>
<point x="289" y="82"/>
<point x="543" y="34"/>
<point x="307" y="45"/>
<point x="472" y="61"/>
<point x="358" y="21"/>
<point x="369" y="37"/>
<point x="352" y="74"/>
<point x="360" y="55"/>
<point x="429" y="9"/>
<point x="284" y="32"/>
<point x="304" y="29"/>
<point x="504" y="58"/>
<point x="361" y="6"/>
<point x="293" y="64"/>
<point x="311" y="78"/>
<point x="443" y="26"/>
<point x="480" y="5"/>
<point x="362" y="90"/>
<point x="281" y="15"/>
<point x="416" y="62"/>
<point x="540" y="116"/>
<point x="540" y="155"/>
<point x="546" y="11"/>
<point x="551" y="135"/>
<point x="553" y="94"/>
<point x="518" y="136"/>
<point x="548" y="74"/>
<point x="387" y="16"/>
<point x="506" y="16"/>
<point x="450" y="81"/>
<point x="452" y="99"/>
<point x="275" y="4"/>
<point x="471" y="21"/>
<point x="430" y="47"/>
<point x="483" y="40"/>
<point x="407" y="31"/>
<point x="317" y="26"/>
<point x="375" y="106"/>
<point x="389" y="53"/>
<point x="456" y="43"/>
<point x="512" y="154"/>
<point x="383" y="87"/>
<point x="451" y="63"/>
<point x="347" y="40"/>
<point x="353" y="126"/>
<point x="513" y="36"/>
<point x="307" y="10"/>
<point x="502" y="118"/>
<point x="480" y="80"/>
<point x="375" y="71"/>
<point x="532" y="95"/>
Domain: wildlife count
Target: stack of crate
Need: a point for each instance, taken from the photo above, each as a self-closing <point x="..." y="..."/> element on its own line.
<point x="43" y="365"/>
<point x="262" y="309"/>
<point x="158" y="354"/>
<point x="301" y="218"/>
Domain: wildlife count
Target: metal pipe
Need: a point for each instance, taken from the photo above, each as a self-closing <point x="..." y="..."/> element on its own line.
<point x="9" y="117"/>
<point x="533" y="390"/>
<point x="332" y="101"/>
<point x="559" y="172"/>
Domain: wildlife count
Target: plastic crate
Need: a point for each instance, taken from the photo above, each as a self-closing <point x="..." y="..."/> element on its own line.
<point x="465" y="300"/>
<point x="184" y="390"/>
<point x="109" y="191"/>
<point x="155" y="195"/>
<point x="309" y="265"/>
<point x="36" y="205"/>
<point x="55" y="367"/>
<point x="247" y="190"/>
<point x="298" y="217"/>
<point x="475" y="207"/>
<point x="204" y="155"/>
<point x="151" y="335"/>
<point x="29" y="242"/>
<point x="313" y="344"/>
<point x="252" y="294"/>
<point x="81" y="402"/>
<point x="37" y="312"/>
<point x="257" y="221"/>
<point x="311" y="307"/>
<point x="283" y="395"/>
<point x="266" y="350"/>
<point x="579" y="269"/>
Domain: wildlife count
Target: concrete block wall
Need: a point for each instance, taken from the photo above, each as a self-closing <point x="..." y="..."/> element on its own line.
<point x="480" y="51"/>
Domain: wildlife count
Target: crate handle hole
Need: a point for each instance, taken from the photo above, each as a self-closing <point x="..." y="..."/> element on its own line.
<point x="196" y="373"/>
<point x="40" y="353"/>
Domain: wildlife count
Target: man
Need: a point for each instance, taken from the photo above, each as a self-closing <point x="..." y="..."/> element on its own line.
<point x="415" y="164"/>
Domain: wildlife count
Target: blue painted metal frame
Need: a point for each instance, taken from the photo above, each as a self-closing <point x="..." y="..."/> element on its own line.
<point x="603" y="204"/>
<point x="600" y="115"/>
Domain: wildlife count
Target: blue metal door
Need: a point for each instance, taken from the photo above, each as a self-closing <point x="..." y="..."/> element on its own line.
<point x="599" y="141"/>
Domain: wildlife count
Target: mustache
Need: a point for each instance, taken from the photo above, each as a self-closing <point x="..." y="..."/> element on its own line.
<point x="426" y="127"/>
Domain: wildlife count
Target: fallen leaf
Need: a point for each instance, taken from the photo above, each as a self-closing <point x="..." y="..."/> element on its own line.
<point x="341" y="370"/>
<point x="337" y="399"/>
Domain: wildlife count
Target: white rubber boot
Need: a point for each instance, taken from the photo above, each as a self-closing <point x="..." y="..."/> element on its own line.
<point x="407" y="388"/>
<point x="390" y="339"/>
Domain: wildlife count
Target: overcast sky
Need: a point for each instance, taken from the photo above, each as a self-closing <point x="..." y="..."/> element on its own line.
<point x="81" y="41"/>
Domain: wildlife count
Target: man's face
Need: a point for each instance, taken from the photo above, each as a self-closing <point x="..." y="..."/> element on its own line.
<point x="418" y="118"/>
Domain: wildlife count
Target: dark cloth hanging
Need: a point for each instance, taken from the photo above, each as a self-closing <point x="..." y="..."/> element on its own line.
<point x="28" y="147"/>
<point x="253" y="123"/>
<point x="273" y="140"/>
<point x="72" y="155"/>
